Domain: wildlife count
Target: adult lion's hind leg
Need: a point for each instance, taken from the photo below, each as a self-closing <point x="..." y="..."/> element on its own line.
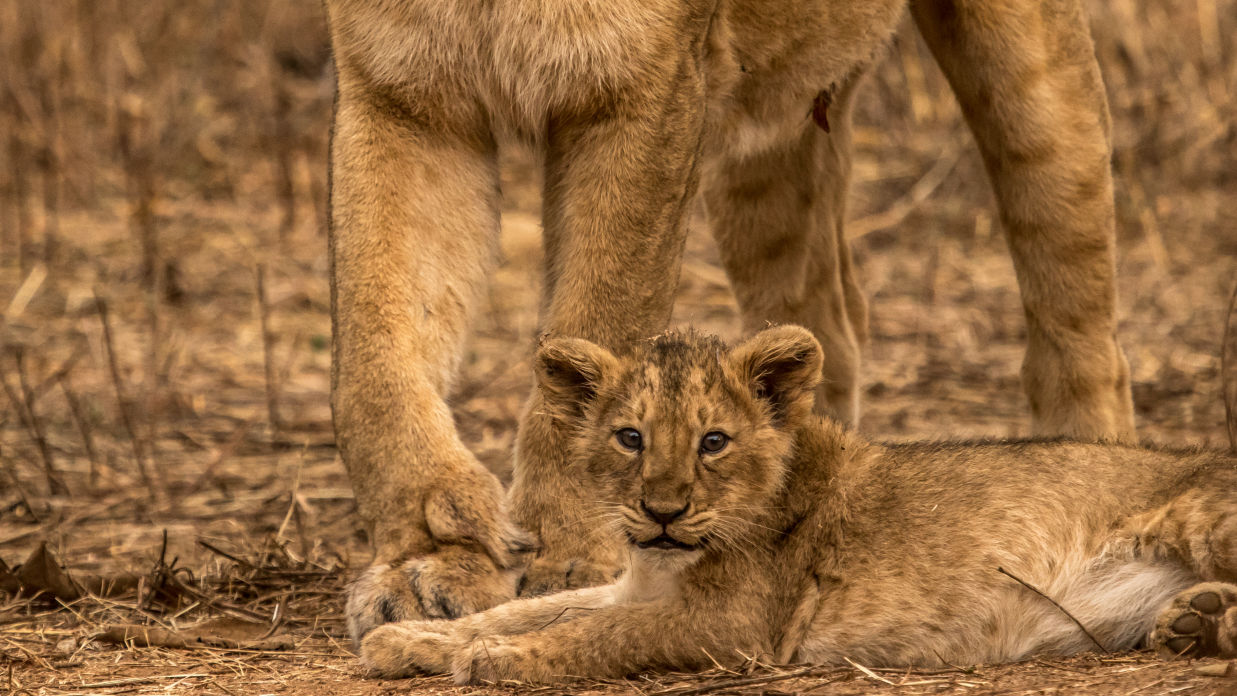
<point x="777" y="216"/>
<point x="1199" y="622"/>
<point x="1026" y="77"/>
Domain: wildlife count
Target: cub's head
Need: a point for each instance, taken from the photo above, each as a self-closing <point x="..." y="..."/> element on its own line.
<point x="686" y="438"/>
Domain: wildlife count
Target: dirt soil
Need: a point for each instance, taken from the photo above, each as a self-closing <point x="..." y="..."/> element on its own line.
<point x="165" y="434"/>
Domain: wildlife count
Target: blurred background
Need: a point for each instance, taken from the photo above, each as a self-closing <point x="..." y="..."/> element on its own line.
<point x="163" y="276"/>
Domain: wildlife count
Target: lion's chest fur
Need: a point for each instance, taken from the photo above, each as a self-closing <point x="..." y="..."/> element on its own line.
<point x="529" y="61"/>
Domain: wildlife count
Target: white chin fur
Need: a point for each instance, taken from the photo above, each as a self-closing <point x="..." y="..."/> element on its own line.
<point x="667" y="559"/>
<point x="654" y="574"/>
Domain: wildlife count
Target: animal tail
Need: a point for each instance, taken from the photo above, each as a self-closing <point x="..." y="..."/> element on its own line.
<point x="1228" y="370"/>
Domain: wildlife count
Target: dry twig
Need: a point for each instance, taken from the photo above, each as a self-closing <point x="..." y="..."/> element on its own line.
<point x="268" y="353"/>
<point x="1060" y="608"/>
<point x="126" y="418"/>
<point x="1228" y="370"/>
<point x="26" y="413"/>
<point x="83" y="427"/>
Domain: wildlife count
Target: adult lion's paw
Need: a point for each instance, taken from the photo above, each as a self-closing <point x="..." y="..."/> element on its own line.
<point x="545" y="576"/>
<point x="452" y="582"/>
<point x="409" y="648"/>
<point x="476" y="550"/>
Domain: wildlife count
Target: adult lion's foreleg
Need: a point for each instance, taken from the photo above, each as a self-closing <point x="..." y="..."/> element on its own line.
<point x="413" y="229"/>
<point x="618" y="183"/>
<point x="1026" y="77"/>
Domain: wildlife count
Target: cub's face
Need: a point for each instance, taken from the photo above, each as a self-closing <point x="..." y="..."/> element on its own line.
<point x="685" y="438"/>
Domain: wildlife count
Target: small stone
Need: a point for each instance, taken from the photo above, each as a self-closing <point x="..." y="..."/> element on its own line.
<point x="66" y="646"/>
<point x="1216" y="669"/>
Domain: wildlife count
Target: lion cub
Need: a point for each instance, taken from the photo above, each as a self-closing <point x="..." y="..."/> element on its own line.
<point x="756" y="527"/>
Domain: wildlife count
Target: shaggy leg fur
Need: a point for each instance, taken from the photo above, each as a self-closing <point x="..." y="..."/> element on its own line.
<point x="1200" y="622"/>
<point x="1199" y="529"/>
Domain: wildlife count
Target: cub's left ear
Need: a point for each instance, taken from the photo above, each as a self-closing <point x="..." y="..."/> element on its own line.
<point x="782" y="366"/>
<point x="570" y="372"/>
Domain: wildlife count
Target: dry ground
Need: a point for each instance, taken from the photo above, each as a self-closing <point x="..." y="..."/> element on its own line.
<point x="161" y="157"/>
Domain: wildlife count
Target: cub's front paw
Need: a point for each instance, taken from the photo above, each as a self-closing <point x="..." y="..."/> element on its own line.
<point x="494" y="660"/>
<point x="447" y="584"/>
<point x="545" y="576"/>
<point x="409" y="648"/>
<point x="1200" y="622"/>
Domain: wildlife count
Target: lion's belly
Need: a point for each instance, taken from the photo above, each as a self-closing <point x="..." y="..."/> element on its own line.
<point x="979" y="615"/>
<point x="550" y="56"/>
<point x="523" y="59"/>
<point x="786" y="54"/>
<point x="527" y="60"/>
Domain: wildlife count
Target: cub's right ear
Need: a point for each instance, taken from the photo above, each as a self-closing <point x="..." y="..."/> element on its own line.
<point x="570" y="372"/>
<point x="781" y="365"/>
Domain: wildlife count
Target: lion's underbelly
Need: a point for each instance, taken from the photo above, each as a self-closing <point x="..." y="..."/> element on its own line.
<point x="527" y="60"/>
<point x="785" y="56"/>
<point x="980" y="615"/>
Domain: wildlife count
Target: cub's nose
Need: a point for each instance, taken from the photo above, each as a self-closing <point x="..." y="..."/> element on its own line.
<point x="662" y="514"/>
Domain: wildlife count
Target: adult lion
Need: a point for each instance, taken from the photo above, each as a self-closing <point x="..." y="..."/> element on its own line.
<point x="635" y="104"/>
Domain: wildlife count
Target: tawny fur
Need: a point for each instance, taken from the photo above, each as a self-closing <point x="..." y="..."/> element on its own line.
<point x="800" y="541"/>
<point x="636" y="104"/>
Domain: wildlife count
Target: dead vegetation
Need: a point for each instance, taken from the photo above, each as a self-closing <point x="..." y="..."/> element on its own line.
<point x="164" y="338"/>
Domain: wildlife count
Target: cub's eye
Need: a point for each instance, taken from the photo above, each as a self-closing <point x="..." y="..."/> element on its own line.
<point x="714" y="442"/>
<point x="630" y="438"/>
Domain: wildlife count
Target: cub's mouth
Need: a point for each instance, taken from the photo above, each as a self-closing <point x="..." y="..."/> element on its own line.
<point x="664" y="541"/>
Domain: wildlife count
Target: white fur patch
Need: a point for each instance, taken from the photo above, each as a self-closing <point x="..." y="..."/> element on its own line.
<point x="1118" y="601"/>
<point x="653" y="574"/>
<point x="1116" y="597"/>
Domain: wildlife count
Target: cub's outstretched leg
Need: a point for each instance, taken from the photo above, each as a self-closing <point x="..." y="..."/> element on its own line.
<point x="1026" y="77"/>
<point x="413" y="230"/>
<point x="617" y="187"/>
<point x="777" y="217"/>
<point x="411" y="647"/>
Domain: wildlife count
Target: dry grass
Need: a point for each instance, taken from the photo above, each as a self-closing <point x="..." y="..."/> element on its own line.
<point x="165" y="333"/>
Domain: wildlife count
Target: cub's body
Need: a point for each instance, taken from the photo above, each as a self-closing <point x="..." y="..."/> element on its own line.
<point x="915" y="572"/>
<point x="798" y="540"/>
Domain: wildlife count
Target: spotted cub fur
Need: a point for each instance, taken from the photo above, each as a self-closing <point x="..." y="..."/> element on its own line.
<point x="753" y="527"/>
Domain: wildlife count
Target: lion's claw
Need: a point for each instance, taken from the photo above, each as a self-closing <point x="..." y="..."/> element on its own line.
<point x="447" y="584"/>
